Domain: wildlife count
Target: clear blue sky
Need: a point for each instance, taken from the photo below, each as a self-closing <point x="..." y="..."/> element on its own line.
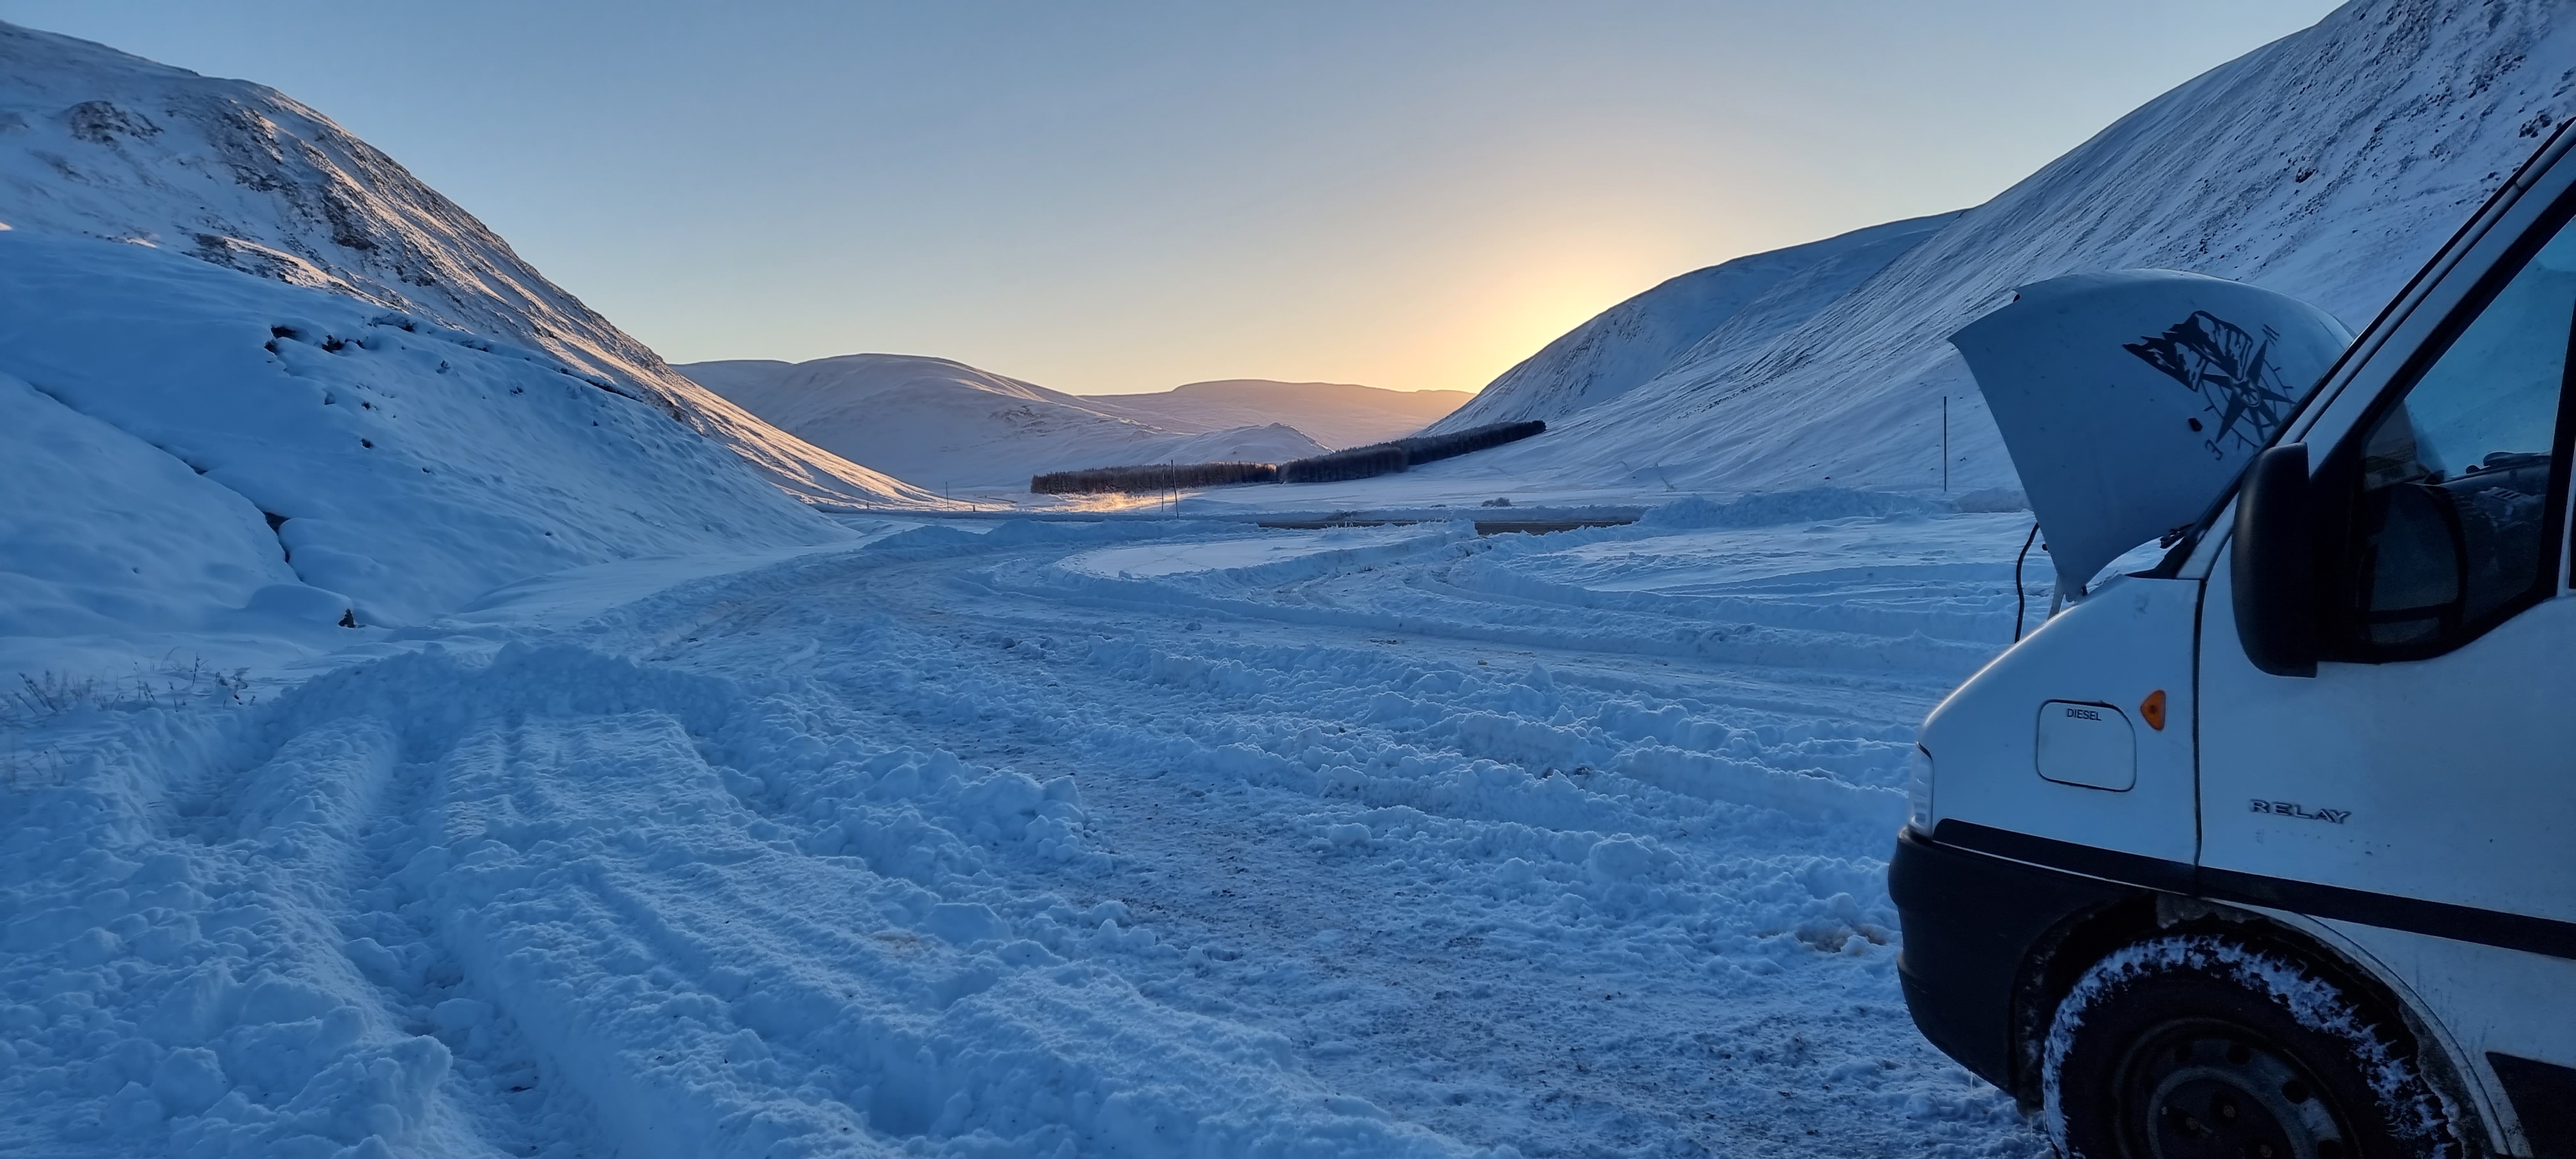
<point x="1123" y="196"/>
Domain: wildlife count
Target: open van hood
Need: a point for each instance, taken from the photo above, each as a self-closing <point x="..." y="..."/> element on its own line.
<point x="2128" y="400"/>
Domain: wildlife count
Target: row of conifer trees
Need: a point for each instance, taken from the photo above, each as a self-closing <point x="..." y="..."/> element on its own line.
<point x="1354" y="463"/>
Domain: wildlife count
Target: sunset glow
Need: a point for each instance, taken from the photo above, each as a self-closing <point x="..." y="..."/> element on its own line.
<point x="1111" y="200"/>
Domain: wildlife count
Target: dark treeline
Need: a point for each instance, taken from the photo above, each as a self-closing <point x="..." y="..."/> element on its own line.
<point x="1355" y="463"/>
<point x="1152" y="477"/>
<point x="1388" y="458"/>
<point x="1432" y="448"/>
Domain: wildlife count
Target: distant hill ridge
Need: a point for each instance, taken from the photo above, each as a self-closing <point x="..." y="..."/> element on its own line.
<point x="1335" y="414"/>
<point x="940" y="424"/>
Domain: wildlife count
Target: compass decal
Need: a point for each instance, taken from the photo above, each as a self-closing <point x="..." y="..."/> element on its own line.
<point x="2231" y="370"/>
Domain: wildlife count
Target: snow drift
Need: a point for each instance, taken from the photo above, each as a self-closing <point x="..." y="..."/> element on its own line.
<point x="96" y="143"/>
<point x="937" y="423"/>
<point x="2328" y="165"/>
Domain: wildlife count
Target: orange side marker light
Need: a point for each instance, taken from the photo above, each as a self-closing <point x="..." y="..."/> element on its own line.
<point x="2153" y="708"/>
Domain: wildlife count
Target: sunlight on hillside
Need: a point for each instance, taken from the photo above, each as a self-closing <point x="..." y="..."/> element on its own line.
<point x="1520" y="304"/>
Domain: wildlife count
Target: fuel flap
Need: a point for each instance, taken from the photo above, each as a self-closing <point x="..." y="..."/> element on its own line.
<point x="2129" y="400"/>
<point x="2087" y="744"/>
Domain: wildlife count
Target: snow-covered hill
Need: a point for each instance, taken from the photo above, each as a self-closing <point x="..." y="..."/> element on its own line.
<point x="97" y="143"/>
<point x="1335" y="414"/>
<point x="941" y="424"/>
<point x="1688" y="320"/>
<point x="2327" y="165"/>
<point x="194" y="453"/>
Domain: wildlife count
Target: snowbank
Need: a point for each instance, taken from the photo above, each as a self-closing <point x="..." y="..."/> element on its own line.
<point x="94" y="507"/>
<point x="1769" y="508"/>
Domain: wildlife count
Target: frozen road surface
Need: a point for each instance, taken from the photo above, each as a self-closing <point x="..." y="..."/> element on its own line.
<point x="1123" y="839"/>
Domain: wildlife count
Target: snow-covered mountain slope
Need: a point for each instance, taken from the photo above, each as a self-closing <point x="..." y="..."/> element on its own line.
<point x="189" y="449"/>
<point x="2328" y="165"/>
<point x="1752" y="298"/>
<point x="97" y="143"/>
<point x="941" y="424"/>
<point x="1335" y="414"/>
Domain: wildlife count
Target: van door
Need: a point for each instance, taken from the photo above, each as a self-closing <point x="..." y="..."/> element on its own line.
<point x="2418" y="793"/>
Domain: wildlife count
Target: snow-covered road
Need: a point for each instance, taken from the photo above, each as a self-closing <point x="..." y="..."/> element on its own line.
<point x="1128" y="838"/>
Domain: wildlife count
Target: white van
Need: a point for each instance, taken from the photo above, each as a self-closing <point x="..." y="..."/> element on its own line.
<point x="2268" y="848"/>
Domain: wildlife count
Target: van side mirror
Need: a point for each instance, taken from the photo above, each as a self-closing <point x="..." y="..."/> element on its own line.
<point x="2274" y="571"/>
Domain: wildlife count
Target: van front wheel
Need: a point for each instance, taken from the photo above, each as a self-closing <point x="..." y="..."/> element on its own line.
<point x="2195" y="1047"/>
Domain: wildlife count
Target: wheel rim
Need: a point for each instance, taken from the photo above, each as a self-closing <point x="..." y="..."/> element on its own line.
<point x="2202" y="1089"/>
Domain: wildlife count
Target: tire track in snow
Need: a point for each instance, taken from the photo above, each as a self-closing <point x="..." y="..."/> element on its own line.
<point x="717" y="987"/>
<point x="794" y="859"/>
<point x="1241" y="858"/>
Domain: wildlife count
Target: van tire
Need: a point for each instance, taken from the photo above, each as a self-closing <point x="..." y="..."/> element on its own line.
<point x="2195" y="1045"/>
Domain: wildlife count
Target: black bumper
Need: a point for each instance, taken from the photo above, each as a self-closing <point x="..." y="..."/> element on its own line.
<point x="1974" y="924"/>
